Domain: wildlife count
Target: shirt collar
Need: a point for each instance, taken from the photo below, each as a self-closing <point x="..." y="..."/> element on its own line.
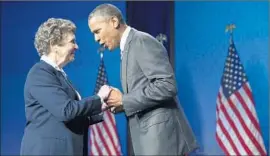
<point x="53" y="64"/>
<point x="124" y="38"/>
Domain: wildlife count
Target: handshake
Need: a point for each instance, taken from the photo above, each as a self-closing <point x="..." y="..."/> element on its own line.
<point x="112" y="99"/>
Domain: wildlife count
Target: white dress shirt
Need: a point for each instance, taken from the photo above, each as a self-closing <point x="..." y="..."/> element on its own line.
<point x="124" y="39"/>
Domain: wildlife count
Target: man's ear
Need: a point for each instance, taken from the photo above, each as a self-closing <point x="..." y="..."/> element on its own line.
<point x="115" y="22"/>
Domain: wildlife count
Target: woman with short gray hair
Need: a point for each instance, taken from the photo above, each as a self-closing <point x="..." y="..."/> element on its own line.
<point x="57" y="118"/>
<point x="51" y="32"/>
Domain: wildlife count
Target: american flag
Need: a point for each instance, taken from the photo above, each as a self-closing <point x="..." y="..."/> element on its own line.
<point x="103" y="136"/>
<point x="237" y="128"/>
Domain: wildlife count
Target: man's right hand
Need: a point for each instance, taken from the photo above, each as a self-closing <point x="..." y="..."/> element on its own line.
<point x="105" y="92"/>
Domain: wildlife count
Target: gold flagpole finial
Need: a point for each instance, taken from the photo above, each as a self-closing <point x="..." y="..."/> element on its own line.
<point x="101" y="51"/>
<point x="229" y="28"/>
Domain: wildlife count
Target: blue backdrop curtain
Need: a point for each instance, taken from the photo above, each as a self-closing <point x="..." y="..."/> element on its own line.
<point x="155" y="18"/>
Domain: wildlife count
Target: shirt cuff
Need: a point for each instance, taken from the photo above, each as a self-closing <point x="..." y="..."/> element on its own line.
<point x="101" y="99"/>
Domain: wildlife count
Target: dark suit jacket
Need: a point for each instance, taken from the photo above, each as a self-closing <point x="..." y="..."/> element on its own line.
<point x="57" y="121"/>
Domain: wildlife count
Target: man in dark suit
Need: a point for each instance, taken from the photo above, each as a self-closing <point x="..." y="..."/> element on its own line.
<point x="57" y="118"/>
<point x="157" y="123"/>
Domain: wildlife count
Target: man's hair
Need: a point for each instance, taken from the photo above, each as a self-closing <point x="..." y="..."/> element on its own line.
<point x="107" y="11"/>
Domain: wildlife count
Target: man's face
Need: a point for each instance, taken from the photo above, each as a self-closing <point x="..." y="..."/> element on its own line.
<point x="105" y="31"/>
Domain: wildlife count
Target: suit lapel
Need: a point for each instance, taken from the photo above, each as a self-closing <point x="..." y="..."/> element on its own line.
<point x="62" y="78"/>
<point x="124" y="61"/>
<point x="68" y="83"/>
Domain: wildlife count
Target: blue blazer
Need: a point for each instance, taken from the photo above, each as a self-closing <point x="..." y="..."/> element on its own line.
<point x="57" y="122"/>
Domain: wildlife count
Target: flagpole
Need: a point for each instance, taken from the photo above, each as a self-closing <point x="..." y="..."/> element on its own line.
<point x="229" y="28"/>
<point x="110" y="142"/>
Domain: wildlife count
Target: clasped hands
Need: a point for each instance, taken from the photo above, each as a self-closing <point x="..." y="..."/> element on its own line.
<point x="112" y="98"/>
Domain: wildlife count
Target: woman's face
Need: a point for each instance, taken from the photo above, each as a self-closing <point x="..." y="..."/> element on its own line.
<point x="66" y="48"/>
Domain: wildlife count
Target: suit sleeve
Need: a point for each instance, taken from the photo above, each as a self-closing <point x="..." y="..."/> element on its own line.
<point x="153" y="60"/>
<point x="95" y="119"/>
<point x="46" y="89"/>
